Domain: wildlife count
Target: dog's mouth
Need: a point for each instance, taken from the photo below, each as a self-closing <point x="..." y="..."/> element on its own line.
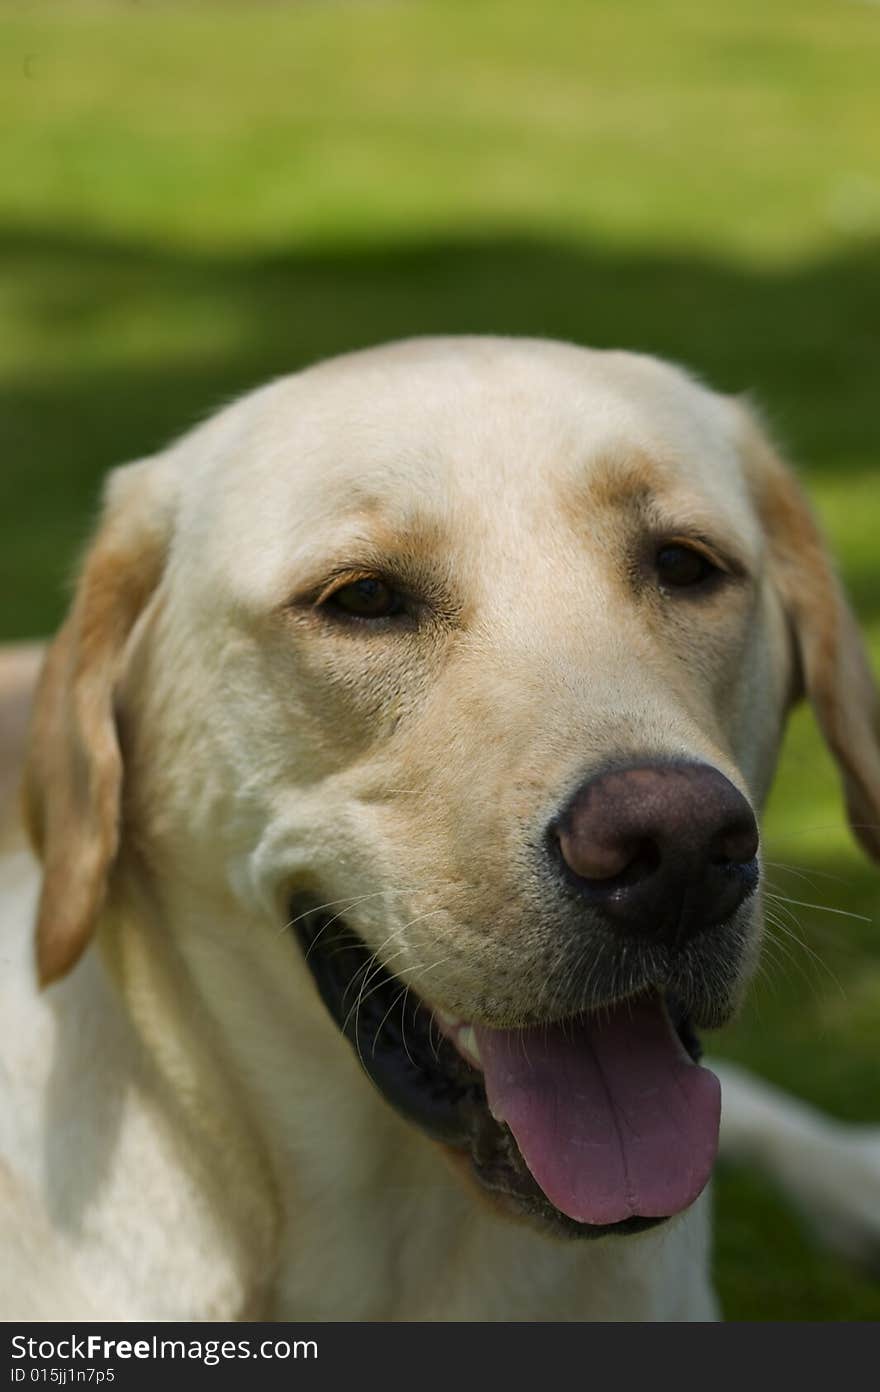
<point x="600" y="1123"/>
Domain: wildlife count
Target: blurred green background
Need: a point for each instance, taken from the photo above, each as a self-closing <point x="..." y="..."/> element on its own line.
<point x="196" y="197"/>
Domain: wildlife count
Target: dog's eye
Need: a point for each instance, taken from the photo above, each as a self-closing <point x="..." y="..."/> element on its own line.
<point x="368" y="598"/>
<point x="681" y="567"/>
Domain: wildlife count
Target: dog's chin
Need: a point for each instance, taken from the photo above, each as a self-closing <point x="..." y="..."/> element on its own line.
<point x="427" y="1066"/>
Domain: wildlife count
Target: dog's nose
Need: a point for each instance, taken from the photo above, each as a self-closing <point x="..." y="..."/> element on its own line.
<point x="661" y="850"/>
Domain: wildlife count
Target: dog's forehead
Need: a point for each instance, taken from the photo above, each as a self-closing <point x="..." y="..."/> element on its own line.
<point x="437" y="412"/>
<point x="427" y="433"/>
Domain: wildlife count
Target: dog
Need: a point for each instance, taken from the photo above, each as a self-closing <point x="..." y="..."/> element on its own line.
<point x="394" y="783"/>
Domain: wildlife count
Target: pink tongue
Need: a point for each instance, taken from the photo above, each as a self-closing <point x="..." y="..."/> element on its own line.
<point x="611" y="1116"/>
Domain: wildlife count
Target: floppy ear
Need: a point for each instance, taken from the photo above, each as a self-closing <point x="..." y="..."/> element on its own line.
<point x="73" y="771"/>
<point x="834" y="670"/>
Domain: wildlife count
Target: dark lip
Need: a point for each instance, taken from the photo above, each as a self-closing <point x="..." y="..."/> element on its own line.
<point x="424" y="1077"/>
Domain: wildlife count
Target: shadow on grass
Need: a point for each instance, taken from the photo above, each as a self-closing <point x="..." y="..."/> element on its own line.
<point x="769" y="1267"/>
<point x="141" y="341"/>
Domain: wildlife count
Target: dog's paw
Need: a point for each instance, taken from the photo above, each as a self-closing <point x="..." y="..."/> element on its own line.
<point x="830" y="1170"/>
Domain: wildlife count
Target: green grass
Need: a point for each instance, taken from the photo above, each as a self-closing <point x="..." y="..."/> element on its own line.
<point x="196" y="197"/>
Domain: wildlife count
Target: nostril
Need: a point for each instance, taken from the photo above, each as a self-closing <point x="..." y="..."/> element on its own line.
<point x="645" y="858"/>
<point x="591" y="858"/>
<point x="612" y="862"/>
<point x="735" y="845"/>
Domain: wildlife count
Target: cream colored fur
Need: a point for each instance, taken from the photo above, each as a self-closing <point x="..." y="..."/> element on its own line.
<point x="184" y="1133"/>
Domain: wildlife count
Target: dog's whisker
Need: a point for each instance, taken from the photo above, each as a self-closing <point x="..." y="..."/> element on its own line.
<point x="805" y="947"/>
<point x="320" y="933"/>
<point x="348" y="903"/>
<point x="366" y="970"/>
<point x="332" y="904"/>
<point x="822" y="928"/>
<point x="403" y="1027"/>
<point x="781" y="906"/>
<point x="785" y="960"/>
<point x="434" y="1030"/>
<point x="395" y="976"/>
<point x="823" y="908"/>
<point x="400" y="993"/>
<point x="832" y="826"/>
<point x="763" y="973"/>
<point x="375" y="965"/>
<point x="775" y="925"/>
<point x="363" y="995"/>
<point x="801" y="872"/>
<point x="398" y="932"/>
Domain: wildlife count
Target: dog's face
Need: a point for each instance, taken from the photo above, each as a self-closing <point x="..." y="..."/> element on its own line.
<point x="470" y="659"/>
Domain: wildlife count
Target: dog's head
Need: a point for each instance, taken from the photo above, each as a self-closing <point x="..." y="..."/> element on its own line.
<point x="469" y="660"/>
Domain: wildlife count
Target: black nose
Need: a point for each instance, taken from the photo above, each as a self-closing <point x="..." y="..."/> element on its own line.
<point x="661" y="850"/>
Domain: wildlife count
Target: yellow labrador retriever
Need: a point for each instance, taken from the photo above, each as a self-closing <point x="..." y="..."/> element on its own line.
<point x="394" y="780"/>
